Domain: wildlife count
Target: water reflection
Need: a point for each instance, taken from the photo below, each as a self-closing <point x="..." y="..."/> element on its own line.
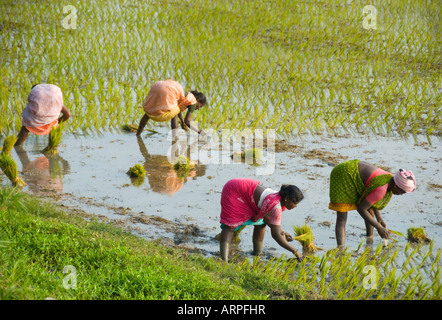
<point x="160" y="172"/>
<point x="43" y="174"/>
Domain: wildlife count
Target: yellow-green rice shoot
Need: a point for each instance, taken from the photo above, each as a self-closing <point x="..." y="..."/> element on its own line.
<point x="417" y="235"/>
<point x="8" y="144"/>
<point x="54" y="140"/>
<point x="304" y="236"/>
<point x="183" y="166"/>
<point x="137" y="171"/>
<point x="9" y="167"/>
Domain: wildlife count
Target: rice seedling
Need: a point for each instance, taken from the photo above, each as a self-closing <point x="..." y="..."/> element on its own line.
<point x="304" y="236"/>
<point x="134" y="127"/>
<point x="136" y="171"/>
<point x="54" y="140"/>
<point x="7" y="164"/>
<point x="183" y="166"/>
<point x="136" y="174"/>
<point x="235" y="239"/>
<point x="9" y="167"/>
<point x="8" y="144"/>
<point x="417" y="235"/>
<point x="290" y="57"/>
<point x="400" y="234"/>
<point x="129" y="127"/>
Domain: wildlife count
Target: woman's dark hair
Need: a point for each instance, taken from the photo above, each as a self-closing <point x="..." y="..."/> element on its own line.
<point x="200" y="97"/>
<point x="291" y="192"/>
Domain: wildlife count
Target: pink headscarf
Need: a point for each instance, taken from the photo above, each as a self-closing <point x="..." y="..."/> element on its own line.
<point x="405" y="180"/>
<point x="45" y="102"/>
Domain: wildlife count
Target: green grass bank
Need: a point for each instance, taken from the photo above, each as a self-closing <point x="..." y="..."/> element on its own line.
<point x="38" y="241"/>
<point x="46" y="252"/>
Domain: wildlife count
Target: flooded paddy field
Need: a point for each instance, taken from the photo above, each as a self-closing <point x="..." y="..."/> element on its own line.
<point x="305" y="70"/>
<point x="89" y="174"/>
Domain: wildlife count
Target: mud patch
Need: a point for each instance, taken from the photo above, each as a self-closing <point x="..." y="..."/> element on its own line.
<point x="327" y="157"/>
<point x="434" y="186"/>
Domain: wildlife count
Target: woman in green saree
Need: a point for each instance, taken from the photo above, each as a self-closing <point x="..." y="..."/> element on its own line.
<point x="358" y="185"/>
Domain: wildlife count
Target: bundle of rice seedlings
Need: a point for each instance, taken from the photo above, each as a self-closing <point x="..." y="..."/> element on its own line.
<point x="253" y="154"/>
<point x="129" y="127"/>
<point x="183" y="166"/>
<point x="54" y="140"/>
<point x="137" y="174"/>
<point x="9" y="167"/>
<point x="417" y="235"/>
<point x="136" y="171"/>
<point x="235" y="238"/>
<point x="134" y="128"/>
<point x="8" y="144"/>
<point x="304" y="236"/>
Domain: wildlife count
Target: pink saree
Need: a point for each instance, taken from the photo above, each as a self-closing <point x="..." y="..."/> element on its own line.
<point x="238" y="205"/>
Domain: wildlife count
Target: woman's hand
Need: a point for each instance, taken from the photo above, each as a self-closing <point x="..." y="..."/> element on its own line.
<point x="287" y="236"/>
<point x="383" y="232"/>
<point x="382" y="222"/>
<point x="298" y="255"/>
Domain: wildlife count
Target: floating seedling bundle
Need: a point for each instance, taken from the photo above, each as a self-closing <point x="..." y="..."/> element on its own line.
<point x="304" y="236"/>
<point x="137" y="174"/>
<point x="414" y="234"/>
<point x="134" y="128"/>
<point x="54" y="140"/>
<point x="183" y="166"/>
<point x="7" y="164"/>
<point x="137" y="171"/>
<point x="417" y="235"/>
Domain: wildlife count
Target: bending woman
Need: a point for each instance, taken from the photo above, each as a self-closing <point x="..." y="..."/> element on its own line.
<point x="246" y="202"/>
<point x="166" y="101"/>
<point x="44" y="110"/>
<point x="358" y="185"/>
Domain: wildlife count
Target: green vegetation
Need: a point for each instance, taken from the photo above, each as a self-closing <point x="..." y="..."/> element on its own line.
<point x="304" y="236"/>
<point x="8" y="144"/>
<point x="8" y="164"/>
<point x="37" y="241"/>
<point x="136" y="171"/>
<point x="343" y="274"/>
<point x="417" y="235"/>
<point x="137" y="174"/>
<point x="183" y="166"/>
<point x="54" y="140"/>
<point x="293" y="66"/>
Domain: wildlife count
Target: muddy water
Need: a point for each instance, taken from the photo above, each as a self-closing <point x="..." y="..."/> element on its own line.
<point x="90" y="174"/>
